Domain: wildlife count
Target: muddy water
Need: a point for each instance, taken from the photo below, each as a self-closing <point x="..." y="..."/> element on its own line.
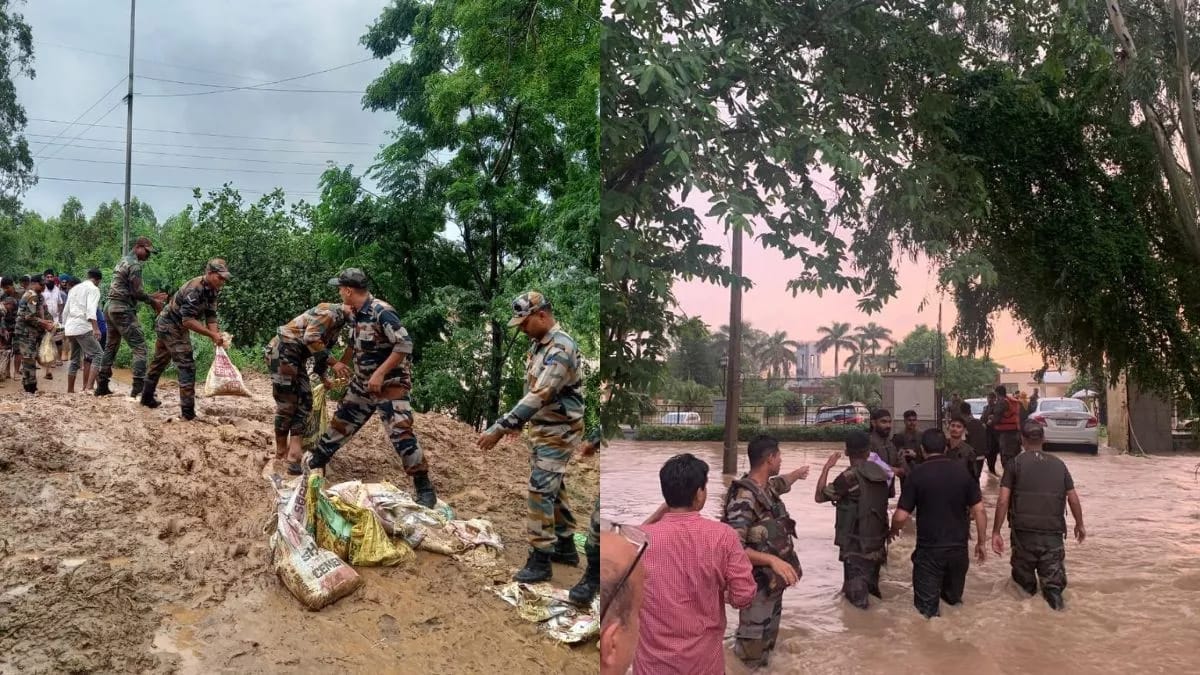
<point x="1133" y="590"/>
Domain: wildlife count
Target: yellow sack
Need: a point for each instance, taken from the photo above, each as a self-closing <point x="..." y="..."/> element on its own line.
<point x="47" y="353"/>
<point x="352" y="532"/>
<point x="317" y="422"/>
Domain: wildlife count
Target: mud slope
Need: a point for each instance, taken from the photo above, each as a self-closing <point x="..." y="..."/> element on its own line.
<point x="131" y="541"/>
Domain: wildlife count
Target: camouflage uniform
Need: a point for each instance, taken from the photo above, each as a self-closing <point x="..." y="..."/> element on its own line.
<point x="860" y="530"/>
<point x="375" y="334"/>
<point x="761" y="521"/>
<point x="310" y="334"/>
<point x="195" y="300"/>
<point x="121" y="314"/>
<point x="8" y="320"/>
<point x="553" y="407"/>
<point x="1039" y="483"/>
<point x="30" y="311"/>
<point x="589" y="584"/>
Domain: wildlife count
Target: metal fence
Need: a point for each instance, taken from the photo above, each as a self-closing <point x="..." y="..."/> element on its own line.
<point x="704" y="415"/>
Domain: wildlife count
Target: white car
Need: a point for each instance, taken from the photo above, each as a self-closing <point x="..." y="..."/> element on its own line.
<point x="977" y="406"/>
<point x="1068" y="423"/>
<point x="681" y="418"/>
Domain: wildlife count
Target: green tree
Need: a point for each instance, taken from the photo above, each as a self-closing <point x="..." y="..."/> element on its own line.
<point x="776" y="354"/>
<point x="694" y="357"/>
<point x="835" y="336"/>
<point x="861" y="387"/>
<point x="860" y="354"/>
<point x="16" y="161"/>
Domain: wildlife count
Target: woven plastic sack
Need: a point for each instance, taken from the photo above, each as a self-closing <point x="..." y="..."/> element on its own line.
<point x="352" y="532"/>
<point x="317" y="422"/>
<point x="224" y="379"/>
<point x="5" y="361"/>
<point x="47" y="353"/>
<point x="316" y="577"/>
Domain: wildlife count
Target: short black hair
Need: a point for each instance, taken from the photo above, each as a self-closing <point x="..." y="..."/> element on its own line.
<point x="49" y="271"/>
<point x="960" y="419"/>
<point x="910" y="413"/>
<point x="857" y="444"/>
<point x="95" y="274"/>
<point x="37" y="280"/>
<point x="682" y="477"/>
<point x="1001" y="391"/>
<point x="5" y="282"/>
<point x="760" y="448"/>
<point x="879" y="413"/>
<point x="965" y="408"/>
<point x="933" y="441"/>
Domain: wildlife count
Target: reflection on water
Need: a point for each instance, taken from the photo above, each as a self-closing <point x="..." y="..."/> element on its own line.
<point x="1133" y="591"/>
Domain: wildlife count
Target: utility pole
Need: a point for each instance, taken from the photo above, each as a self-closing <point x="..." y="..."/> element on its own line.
<point x="128" y="136"/>
<point x="937" y="370"/>
<point x="733" y="382"/>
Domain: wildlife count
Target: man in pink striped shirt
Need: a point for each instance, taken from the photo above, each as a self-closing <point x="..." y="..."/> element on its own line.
<point x="695" y="566"/>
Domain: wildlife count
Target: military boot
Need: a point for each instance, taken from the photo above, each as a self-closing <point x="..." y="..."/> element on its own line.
<point x="589" y="583"/>
<point x="537" y="568"/>
<point x="102" y="388"/>
<point x="565" y="552"/>
<point x="136" y="390"/>
<point x="1054" y="599"/>
<point x="188" y="410"/>
<point x="425" y="494"/>
<point x="147" y="396"/>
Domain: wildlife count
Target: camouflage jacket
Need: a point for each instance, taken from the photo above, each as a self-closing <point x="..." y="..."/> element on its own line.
<point x="316" y="331"/>
<point x="30" y="311"/>
<point x="126" y="290"/>
<point x="376" y="334"/>
<point x="553" y="401"/>
<point x="196" y="300"/>
<point x="762" y="523"/>
<point x="8" y="312"/>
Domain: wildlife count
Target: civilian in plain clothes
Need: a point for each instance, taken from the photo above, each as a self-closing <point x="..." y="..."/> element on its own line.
<point x="695" y="567"/>
<point x="621" y="583"/>
<point x="82" y="330"/>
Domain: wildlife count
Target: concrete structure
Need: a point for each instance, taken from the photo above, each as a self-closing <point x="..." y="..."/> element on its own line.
<point x="1139" y="421"/>
<point x="1053" y="383"/>
<point x="808" y="362"/>
<point x="902" y="391"/>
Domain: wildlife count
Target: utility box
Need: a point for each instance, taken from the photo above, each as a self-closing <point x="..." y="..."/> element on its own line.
<point x="902" y="391"/>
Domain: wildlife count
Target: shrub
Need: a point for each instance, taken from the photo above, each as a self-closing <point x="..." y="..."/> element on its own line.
<point x="789" y="434"/>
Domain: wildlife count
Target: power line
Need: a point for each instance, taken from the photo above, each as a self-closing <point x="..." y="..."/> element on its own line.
<point x="221" y="147"/>
<point x="197" y="168"/>
<point x="264" y="84"/>
<point x="226" y="86"/>
<point x="183" y="154"/>
<point x="126" y="56"/>
<point x="89" y="109"/>
<point x="85" y="130"/>
<point x="201" y="133"/>
<point x="177" y="187"/>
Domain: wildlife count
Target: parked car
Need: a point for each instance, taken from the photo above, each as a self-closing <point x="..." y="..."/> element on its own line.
<point x="843" y="413"/>
<point x="1068" y="424"/>
<point x="977" y="406"/>
<point x="681" y="418"/>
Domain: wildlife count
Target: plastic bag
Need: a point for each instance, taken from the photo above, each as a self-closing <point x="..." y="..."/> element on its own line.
<point x="351" y="531"/>
<point x="317" y="421"/>
<point x="315" y="576"/>
<point x="224" y="379"/>
<point x="47" y="353"/>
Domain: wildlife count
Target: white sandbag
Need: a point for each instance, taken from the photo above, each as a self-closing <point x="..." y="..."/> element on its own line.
<point x="224" y="379"/>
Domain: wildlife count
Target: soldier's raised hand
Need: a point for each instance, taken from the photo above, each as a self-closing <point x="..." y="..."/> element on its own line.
<point x="800" y="473"/>
<point x="833" y="459"/>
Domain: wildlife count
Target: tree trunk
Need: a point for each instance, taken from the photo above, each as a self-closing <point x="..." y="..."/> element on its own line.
<point x="495" y="371"/>
<point x="1187" y="113"/>
<point x="836" y="360"/>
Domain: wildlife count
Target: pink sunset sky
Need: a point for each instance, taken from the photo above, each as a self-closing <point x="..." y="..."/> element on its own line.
<point x="770" y="307"/>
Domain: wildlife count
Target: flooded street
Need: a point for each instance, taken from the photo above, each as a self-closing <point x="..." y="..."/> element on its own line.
<point x="1133" y="594"/>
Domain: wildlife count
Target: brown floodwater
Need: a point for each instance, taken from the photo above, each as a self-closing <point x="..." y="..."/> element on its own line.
<point x="1133" y="593"/>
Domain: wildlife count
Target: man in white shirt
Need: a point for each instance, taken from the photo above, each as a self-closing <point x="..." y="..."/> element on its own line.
<point x="82" y="331"/>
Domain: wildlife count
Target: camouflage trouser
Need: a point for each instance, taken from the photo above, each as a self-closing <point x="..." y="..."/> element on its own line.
<point x="1038" y="556"/>
<point x="593" y="538"/>
<point x="355" y="409"/>
<point x="123" y="325"/>
<point x="549" y="514"/>
<point x="860" y="578"/>
<point x="174" y="345"/>
<point x="288" y="365"/>
<point x="758" y="626"/>
<point x="28" y="344"/>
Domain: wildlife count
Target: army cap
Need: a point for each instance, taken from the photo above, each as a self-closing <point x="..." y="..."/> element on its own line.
<point x="144" y="242"/>
<point x="1032" y="430"/>
<point x="527" y="304"/>
<point x="351" y="277"/>
<point x="217" y="265"/>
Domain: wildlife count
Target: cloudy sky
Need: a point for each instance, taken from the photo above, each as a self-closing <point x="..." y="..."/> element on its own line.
<point x="81" y="54"/>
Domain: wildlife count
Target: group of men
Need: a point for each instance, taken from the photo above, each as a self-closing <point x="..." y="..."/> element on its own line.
<point x="376" y="361"/>
<point x="673" y="608"/>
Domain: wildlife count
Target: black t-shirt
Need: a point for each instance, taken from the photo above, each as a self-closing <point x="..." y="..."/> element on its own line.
<point x="940" y="492"/>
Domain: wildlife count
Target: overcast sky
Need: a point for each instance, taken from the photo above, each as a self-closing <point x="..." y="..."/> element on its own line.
<point x="219" y="42"/>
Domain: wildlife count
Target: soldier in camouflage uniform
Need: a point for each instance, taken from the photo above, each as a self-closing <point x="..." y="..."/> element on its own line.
<point x="553" y="407"/>
<point x="382" y="379"/>
<point x="34" y="320"/>
<point x="884" y="446"/>
<point x="194" y="308"/>
<point x="309" y="335"/>
<point x="9" y="302"/>
<point x="754" y="509"/>
<point x="124" y="293"/>
<point x="589" y="584"/>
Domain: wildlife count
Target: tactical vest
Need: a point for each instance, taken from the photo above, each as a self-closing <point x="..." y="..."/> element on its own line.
<point x="780" y="531"/>
<point x="861" y="527"/>
<point x="1038" y="498"/>
<point x="1010" y="420"/>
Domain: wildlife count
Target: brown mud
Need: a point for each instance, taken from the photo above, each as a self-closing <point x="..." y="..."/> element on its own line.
<point x="131" y="541"/>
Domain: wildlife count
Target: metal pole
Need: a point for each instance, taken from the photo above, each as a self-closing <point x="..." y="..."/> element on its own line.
<point x="937" y="370"/>
<point x="733" y="385"/>
<point x="128" y="136"/>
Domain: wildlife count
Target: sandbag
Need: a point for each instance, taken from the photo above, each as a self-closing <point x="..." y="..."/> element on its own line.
<point x="5" y="362"/>
<point x="351" y="531"/>
<point x="316" y="577"/>
<point x="47" y="353"/>
<point x="224" y="379"/>
<point x="317" y="422"/>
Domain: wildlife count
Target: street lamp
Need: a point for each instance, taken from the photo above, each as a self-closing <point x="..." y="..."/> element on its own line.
<point x="893" y="365"/>
<point x="724" y="367"/>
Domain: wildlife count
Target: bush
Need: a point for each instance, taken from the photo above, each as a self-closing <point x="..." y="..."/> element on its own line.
<point x="782" y="402"/>
<point x="788" y="434"/>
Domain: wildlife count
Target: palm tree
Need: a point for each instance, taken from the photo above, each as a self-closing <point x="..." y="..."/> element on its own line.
<point x="875" y="335"/>
<point x="776" y="353"/>
<point x="859" y="353"/>
<point x="752" y="339"/>
<point x="835" y="336"/>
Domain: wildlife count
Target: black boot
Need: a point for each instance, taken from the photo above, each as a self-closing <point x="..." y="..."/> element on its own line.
<point x="187" y="411"/>
<point x="136" y="391"/>
<point x="147" y="396"/>
<point x="537" y="568"/>
<point x="565" y="552"/>
<point x="102" y="388"/>
<point x="589" y="583"/>
<point x="425" y="494"/>
<point x="1054" y="599"/>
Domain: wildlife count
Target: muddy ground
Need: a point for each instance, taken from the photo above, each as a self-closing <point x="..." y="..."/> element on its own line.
<point x="133" y="542"/>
